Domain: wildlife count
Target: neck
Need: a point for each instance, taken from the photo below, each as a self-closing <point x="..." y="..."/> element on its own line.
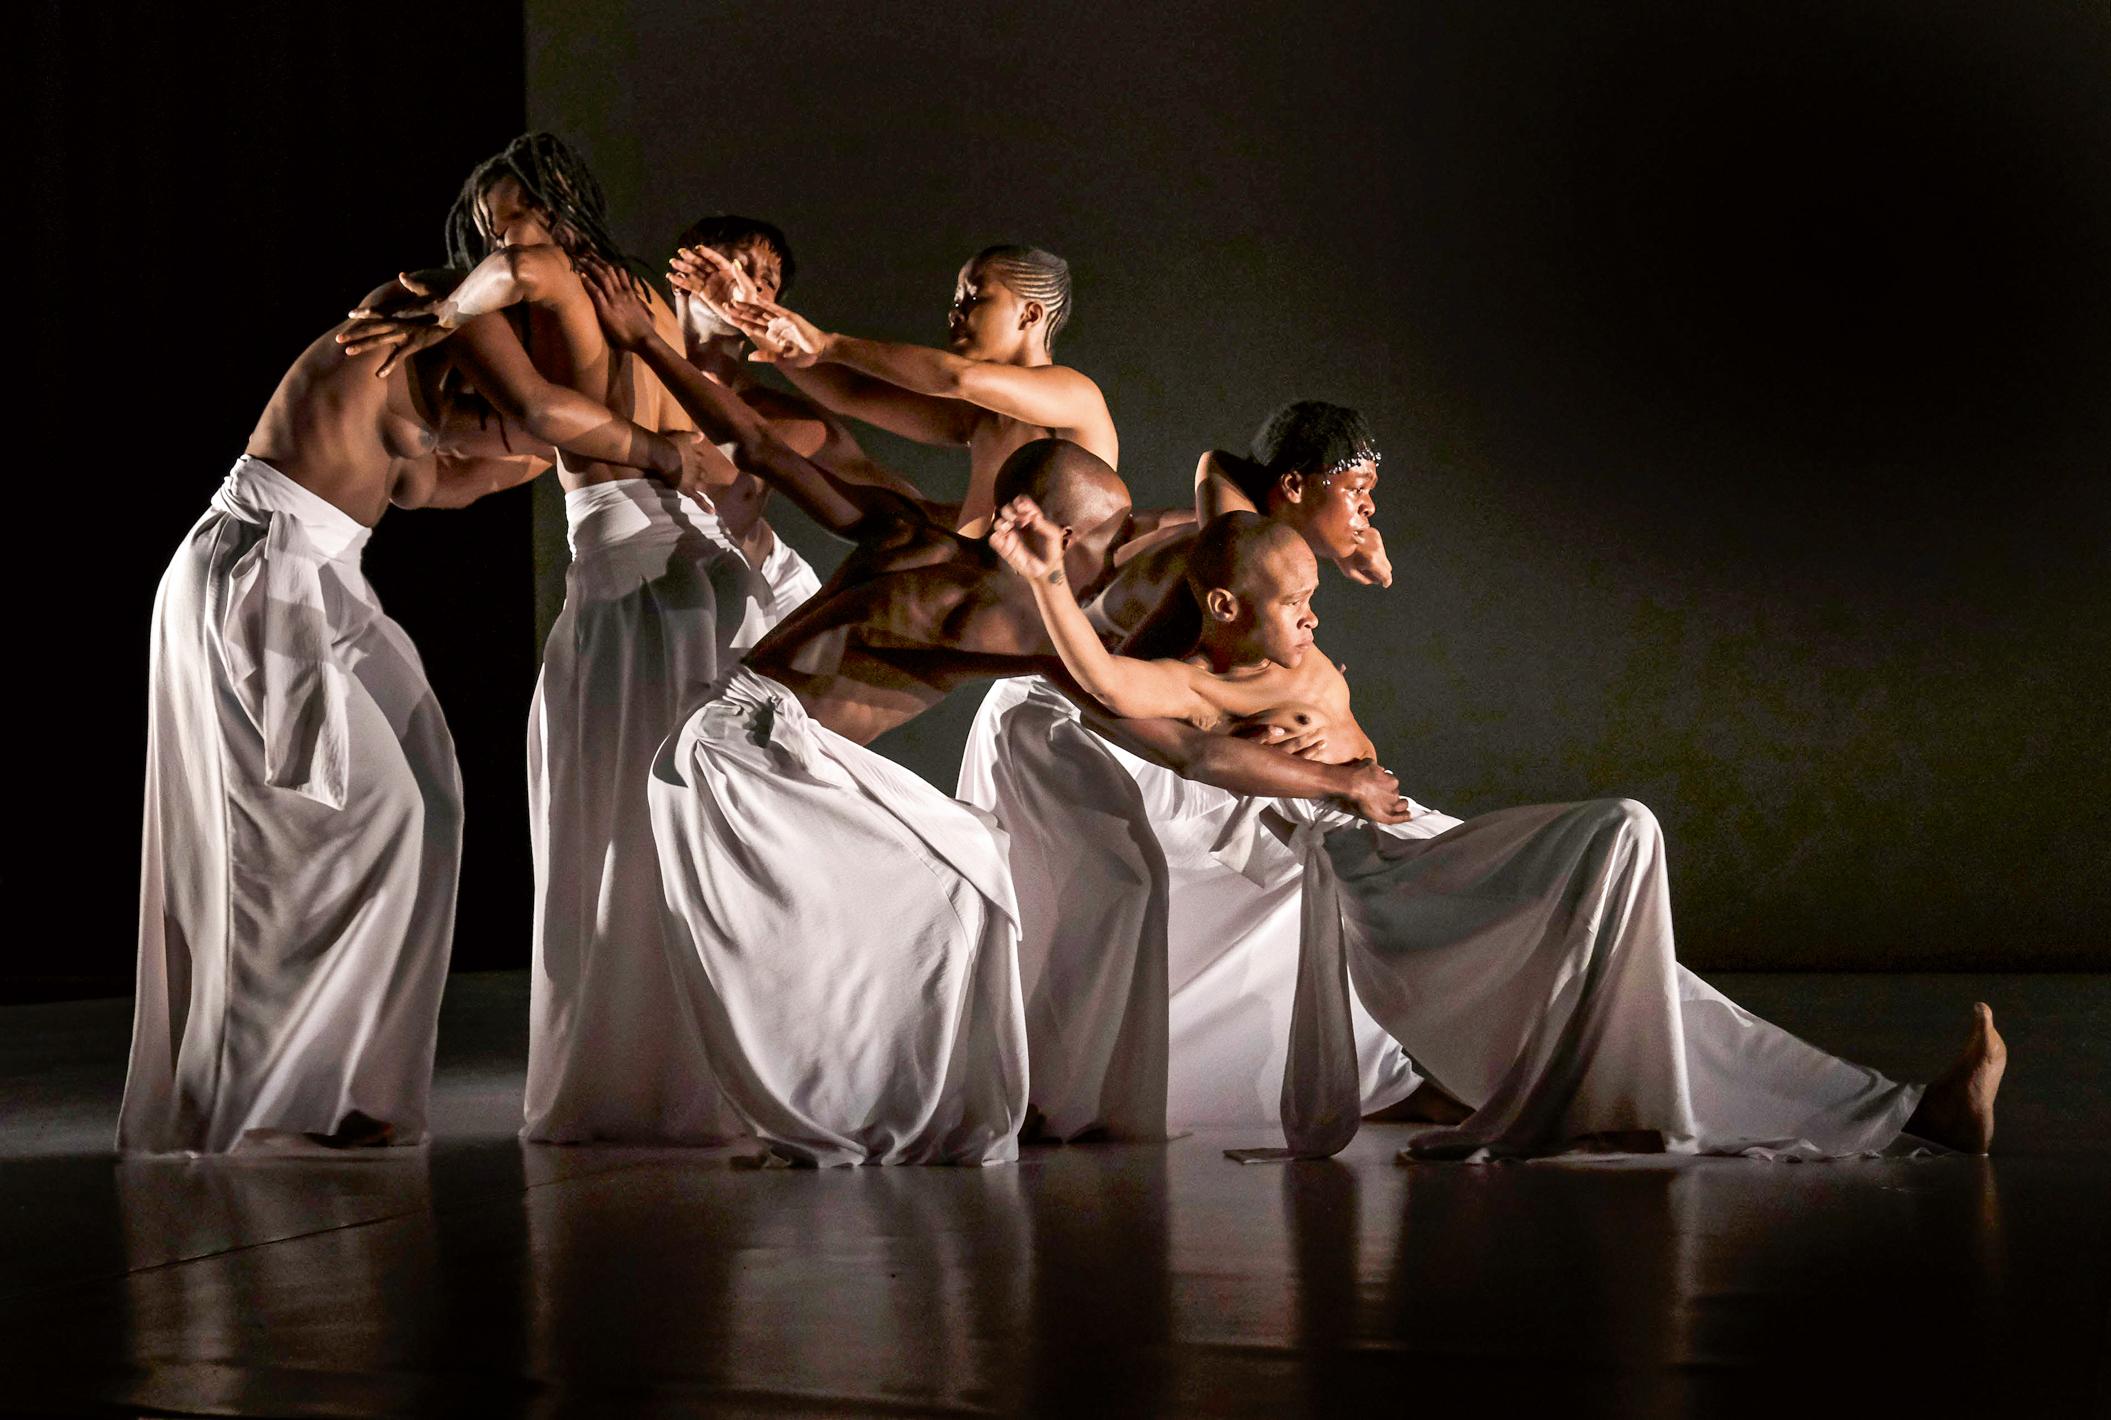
<point x="1225" y="657"/>
<point x="1089" y="564"/>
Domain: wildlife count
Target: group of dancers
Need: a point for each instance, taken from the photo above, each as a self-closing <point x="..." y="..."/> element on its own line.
<point x="1176" y="888"/>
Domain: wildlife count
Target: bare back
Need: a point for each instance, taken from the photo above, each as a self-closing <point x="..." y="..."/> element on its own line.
<point x="358" y="442"/>
<point x="914" y="612"/>
<point x="569" y="348"/>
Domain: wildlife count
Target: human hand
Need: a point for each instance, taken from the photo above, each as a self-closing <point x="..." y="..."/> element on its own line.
<point x="400" y="328"/>
<point x="1368" y="564"/>
<point x="625" y="318"/>
<point x="1374" y="793"/>
<point x="1027" y="542"/>
<point x="704" y="469"/>
<point x="780" y="337"/>
<point x="1295" y="729"/>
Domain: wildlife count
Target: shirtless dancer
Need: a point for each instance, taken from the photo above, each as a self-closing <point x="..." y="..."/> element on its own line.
<point x="1204" y="927"/>
<point x="1526" y="956"/>
<point x="853" y="927"/>
<point x="657" y="600"/>
<point x="995" y="388"/>
<point x="303" y="811"/>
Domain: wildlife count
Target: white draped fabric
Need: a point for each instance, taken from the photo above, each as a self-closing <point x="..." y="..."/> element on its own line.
<point x="855" y="968"/>
<point x="1159" y="958"/>
<point x="302" y="839"/>
<point x="656" y="600"/>
<point x="1526" y="958"/>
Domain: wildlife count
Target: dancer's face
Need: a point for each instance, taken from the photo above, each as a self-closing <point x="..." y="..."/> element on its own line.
<point x="1276" y="620"/>
<point x="986" y="319"/>
<point x="1332" y="512"/>
<point x="510" y="218"/>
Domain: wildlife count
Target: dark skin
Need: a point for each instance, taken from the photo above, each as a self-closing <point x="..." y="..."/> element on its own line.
<point x="533" y="267"/>
<point x="364" y="443"/>
<point x="922" y="610"/>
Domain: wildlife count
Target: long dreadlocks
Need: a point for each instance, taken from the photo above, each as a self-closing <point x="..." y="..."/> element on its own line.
<point x="556" y="180"/>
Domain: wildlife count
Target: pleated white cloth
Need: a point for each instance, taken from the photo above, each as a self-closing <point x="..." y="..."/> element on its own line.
<point x="1526" y="957"/>
<point x="656" y="603"/>
<point x="856" y="941"/>
<point x="302" y="839"/>
<point x="1160" y="967"/>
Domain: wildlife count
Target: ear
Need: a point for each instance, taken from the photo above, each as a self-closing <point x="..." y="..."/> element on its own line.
<point x="1069" y="535"/>
<point x="1031" y="314"/>
<point x="1292" y="486"/>
<point x="1222" y="603"/>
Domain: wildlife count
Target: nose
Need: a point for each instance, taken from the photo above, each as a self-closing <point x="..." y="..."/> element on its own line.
<point x="1310" y="620"/>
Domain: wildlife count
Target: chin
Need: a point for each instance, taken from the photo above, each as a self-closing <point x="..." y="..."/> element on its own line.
<point x="1293" y="659"/>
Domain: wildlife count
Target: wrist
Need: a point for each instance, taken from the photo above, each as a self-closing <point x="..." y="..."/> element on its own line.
<point x="665" y="455"/>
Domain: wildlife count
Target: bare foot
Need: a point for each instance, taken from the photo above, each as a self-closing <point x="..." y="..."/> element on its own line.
<point x="1429" y="1104"/>
<point x="1958" y="1107"/>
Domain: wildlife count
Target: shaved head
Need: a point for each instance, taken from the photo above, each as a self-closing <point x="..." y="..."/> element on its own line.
<point x="1237" y="546"/>
<point x="1075" y="488"/>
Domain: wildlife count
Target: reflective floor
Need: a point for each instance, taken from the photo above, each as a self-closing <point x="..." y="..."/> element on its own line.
<point x="479" y="1277"/>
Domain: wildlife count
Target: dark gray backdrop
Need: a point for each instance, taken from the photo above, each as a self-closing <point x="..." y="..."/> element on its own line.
<point x="1742" y="379"/>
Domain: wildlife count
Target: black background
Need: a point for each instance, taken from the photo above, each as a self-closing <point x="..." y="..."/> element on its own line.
<point x="1743" y="376"/>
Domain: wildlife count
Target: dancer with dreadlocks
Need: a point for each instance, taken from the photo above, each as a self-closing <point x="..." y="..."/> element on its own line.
<point x="657" y="598"/>
<point x="996" y="388"/>
<point x="303" y="812"/>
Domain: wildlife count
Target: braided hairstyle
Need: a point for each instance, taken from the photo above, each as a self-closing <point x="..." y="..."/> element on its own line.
<point x="1033" y="275"/>
<point x="725" y="229"/>
<point x="555" y="179"/>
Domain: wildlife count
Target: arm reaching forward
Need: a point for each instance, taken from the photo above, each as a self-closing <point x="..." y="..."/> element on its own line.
<point x="1033" y="547"/>
<point x="836" y="503"/>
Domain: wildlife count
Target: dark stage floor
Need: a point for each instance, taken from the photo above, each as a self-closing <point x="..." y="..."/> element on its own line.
<point x="483" y="1278"/>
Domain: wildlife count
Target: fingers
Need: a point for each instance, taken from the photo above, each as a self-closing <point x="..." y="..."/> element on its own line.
<point x="412" y="284"/>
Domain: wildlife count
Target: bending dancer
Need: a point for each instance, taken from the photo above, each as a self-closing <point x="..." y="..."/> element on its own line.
<point x="1163" y="888"/>
<point x="658" y="597"/>
<point x="303" y="812"/>
<point x="1526" y="956"/>
<point x="853" y="927"/>
<point x="996" y="388"/>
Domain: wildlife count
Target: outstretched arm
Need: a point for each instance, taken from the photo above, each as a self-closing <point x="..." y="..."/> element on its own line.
<point x="488" y="352"/>
<point x="1240" y="767"/>
<point x="836" y="503"/>
<point x="927" y="419"/>
<point x="1033" y="548"/>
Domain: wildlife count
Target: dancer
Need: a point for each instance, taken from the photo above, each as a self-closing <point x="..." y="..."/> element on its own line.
<point x="660" y="595"/>
<point x="303" y="811"/>
<point x="853" y="927"/>
<point x="1526" y="956"/>
<point x="998" y="386"/>
<point x="1080" y="809"/>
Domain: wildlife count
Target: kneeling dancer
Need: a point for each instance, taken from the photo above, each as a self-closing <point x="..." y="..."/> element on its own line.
<point x="855" y="933"/>
<point x="1525" y="957"/>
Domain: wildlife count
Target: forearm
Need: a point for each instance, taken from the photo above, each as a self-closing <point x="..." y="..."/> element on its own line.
<point x="572" y="422"/>
<point x="1128" y="687"/>
<point x="1234" y="765"/>
<point x="911" y="367"/>
<point x="492" y="284"/>
<point x="458" y="482"/>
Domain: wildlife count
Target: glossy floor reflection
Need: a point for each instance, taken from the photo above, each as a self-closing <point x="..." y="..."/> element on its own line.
<point x="478" y="1277"/>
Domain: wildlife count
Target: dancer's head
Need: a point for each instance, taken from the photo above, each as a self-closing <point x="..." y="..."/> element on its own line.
<point x="1316" y="468"/>
<point x="1254" y="578"/>
<point x="1009" y="303"/>
<point x="757" y="247"/>
<point x="535" y="190"/>
<point x="1077" y="490"/>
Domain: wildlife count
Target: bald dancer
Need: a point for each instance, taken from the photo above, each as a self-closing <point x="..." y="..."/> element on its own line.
<point x="994" y="388"/>
<point x="854" y="929"/>
<point x="1165" y="885"/>
<point x="1526" y="957"/>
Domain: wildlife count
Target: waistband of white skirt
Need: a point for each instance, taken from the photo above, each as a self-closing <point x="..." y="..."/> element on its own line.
<point x="629" y="510"/>
<point x="253" y="490"/>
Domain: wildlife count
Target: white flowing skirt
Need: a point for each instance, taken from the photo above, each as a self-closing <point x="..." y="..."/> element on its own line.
<point x="654" y="598"/>
<point x="1159" y="969"/>
<point x="302" y="839"/>
<point x="854" y="938"/>
<point x="1526" y="957"/>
